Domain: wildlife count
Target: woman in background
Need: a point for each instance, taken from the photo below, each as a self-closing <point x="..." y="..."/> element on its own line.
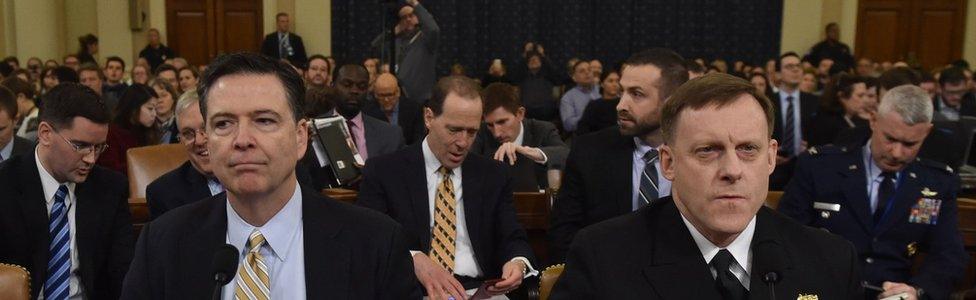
<point x="134" y="125"/>
<point x="844" y="104"/>
<point x="165" y="107"/>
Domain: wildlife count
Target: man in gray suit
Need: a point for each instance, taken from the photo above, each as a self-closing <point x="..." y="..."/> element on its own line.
<point x="510" y="134"/>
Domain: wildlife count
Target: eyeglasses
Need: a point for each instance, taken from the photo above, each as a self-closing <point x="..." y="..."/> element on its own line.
<point x="188" y="136"/>
<point x="85" y="149"/>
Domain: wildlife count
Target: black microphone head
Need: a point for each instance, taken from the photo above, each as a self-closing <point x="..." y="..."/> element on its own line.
<point x="225" y="263"/>
<point x="771" y="277"/>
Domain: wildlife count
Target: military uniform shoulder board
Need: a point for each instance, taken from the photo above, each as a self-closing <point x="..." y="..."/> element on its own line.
<point x="935" y="165"/>
<point x="826" y="149"/>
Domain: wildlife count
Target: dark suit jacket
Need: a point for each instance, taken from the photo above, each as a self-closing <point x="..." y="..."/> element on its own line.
<point x="21" y="146"/>
<point x="350" y="253"/>
<point x="270" y="48"/>
<point x="650" y="254"/>
<point x="410" y="118"/>
<point x="939" y="145"/>
<point x="181" y="186"/>
<point x="536" y="134"/>
<point x="396" y="185"/>
<point x="809" y="105"/>
<point x="967" y="106"/>
<point x="597" y="116"/>
<point x="597" y="185"/>
<point x="104" y="230"/>
<point x="837" y="175"/>
<point x="827" y="126"/>
<point x="381" y="136"/>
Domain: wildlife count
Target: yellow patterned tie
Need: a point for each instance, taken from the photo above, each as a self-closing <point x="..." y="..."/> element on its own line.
<point x="444" y="231"/>
<point x="253" y="282"/>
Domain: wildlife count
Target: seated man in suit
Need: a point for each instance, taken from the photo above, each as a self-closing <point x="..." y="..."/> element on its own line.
<point x="371" y="136"/>
<point x="712" y="238"/>
<point x="954" y="99"/>
<point x="457" y="208"/>
<point x="387" y="105"/>
<point x="597" y="185"/>
<point x="10" y="144"/>
<point x="193" y="180"/>
<point x="794" y="111"/>
<point x="293" y="243"/>
<point x="887" y="202"/>
<point x="63" y="218"/>
<point x="509" y="133"/>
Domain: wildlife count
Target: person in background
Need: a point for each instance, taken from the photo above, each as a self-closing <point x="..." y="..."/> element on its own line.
<point x="189" y="76"/>
<point x="372" y="66"/>
<point x="387" y="104"/>
<point x="155" y="52"/>
<point x="34" y="67"/>
<point x="536" y="78"/>
<point x="318" y="72"/>
<point x="113" y="87"/>
<point x="955" y="99"/>
<point x="139" y="74"/>
<point x="166" y="96"/>
<point x="843" y="105"/>
<point x="695" y="69"/>
<point x="573" y="103"/>
<point x="810" y="82"/>
<point x="87" y="49"/>
<point x="134" y="125"/>
<point x="169" y="73"/>
<point x="72" y="62"/>
<point x="284" y="44"/>
<point x="602" y="114"/>
<point x="832" y="48"/>
<point x="417" y="36"/>
<point x="27" y="110"/>
<point x="794" y="110"/>
<point x="596" y="67"/>
<point x="10" y="144"/>
<point x="930" y="85"/>
<point x="761" y="82"/>
<point x="496" y="73"/>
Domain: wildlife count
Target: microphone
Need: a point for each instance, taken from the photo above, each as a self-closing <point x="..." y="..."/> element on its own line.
<point x="771" y="262"/>
<point x="224" y="267"/>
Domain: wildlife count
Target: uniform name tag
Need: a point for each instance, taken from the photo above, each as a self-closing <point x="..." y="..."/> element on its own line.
<point x="925" y="211"/>
<point x="826" y="206"/>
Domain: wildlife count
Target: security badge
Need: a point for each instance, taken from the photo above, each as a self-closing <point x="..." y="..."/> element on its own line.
<point x="825" y="208"/>
<point x="807" y="297"/>
<point x="926" y="210"/>
<point x="911" y="249"/>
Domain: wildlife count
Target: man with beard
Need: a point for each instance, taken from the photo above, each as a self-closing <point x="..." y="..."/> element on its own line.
<point x="317" y="74"/>
<point x="887" y="202"/>
<point x="597" y="185"/>
<point x="372" y="137"/>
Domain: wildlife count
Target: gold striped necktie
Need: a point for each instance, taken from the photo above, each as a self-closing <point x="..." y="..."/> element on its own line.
<point x="253" y="282"/>
<point x="444" y="231"/>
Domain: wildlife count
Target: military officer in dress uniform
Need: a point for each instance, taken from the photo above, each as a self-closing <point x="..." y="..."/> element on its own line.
<point x="889" y="203"/>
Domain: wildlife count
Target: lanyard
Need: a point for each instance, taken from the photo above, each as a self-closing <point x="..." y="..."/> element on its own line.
<point x="891" y="199"/>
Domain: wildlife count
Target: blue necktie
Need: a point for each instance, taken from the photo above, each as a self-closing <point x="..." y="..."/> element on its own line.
<point x="59" y="262"/>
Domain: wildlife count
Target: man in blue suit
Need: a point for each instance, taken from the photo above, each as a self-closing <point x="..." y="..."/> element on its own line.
<point x="889" y="203"/>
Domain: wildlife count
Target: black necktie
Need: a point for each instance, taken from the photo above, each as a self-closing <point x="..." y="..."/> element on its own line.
<point x="885" y="191"/>
<point x="788" y="128"/>
<point x="648" y="191"/>
<point x="727" y="284"/>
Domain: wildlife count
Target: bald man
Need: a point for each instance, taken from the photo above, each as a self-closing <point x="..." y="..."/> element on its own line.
<point x="385" y="105"/>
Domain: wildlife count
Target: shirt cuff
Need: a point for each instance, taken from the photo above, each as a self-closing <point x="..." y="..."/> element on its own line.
<point x="529" y="270"/>
<point x="545" y="158"/>
<point x="412" y="253"/>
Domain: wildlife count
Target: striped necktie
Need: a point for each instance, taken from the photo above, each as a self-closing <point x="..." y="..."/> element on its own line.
<point x="253" y="282"/>
<point x="648" y="183"/>
<point x="444" y="231"/>
<point x="789" y="128"/>
<point x="59" y="259"/>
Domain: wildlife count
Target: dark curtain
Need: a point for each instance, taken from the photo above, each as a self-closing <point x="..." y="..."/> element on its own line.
<point x="473" y="32"/>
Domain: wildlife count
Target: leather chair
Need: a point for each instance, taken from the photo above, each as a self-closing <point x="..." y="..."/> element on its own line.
<point x="14" y="282"/>
<point x="772" y="199"/>
<point x="145" y="164"/>
<point x="548" y="279"/>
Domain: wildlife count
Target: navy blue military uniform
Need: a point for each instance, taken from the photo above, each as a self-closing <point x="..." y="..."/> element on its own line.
<point x="829" y="190"/>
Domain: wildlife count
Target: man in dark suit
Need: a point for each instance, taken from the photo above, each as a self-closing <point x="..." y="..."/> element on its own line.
<point x="793" y="111"/>
<point x="294" y="243"/>
<point x="954" y="99"/>
<point x="597" y="185"/>
<point x="457" y="208"/>
<point x="713" y="238"/>
<point x="283" y="44"/>
<point x="891" y="205"/>
<point x="388" y="105"/>
<point x="10" y="144"/>
<point x="510" y="134"/>
<point x="193" y="180"/>
<point x="63" y="218"/>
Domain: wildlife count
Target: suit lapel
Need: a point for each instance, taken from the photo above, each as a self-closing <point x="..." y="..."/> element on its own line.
<point x="197" y="248"/>
<point x="676" y="260"/>
<point x="88" y="220"/>
<point x="471" y="185"/>
<point x="855" y="191"/>
<point x="34" y="208"/>
<point x="622" y="158"/>
<point x="528" y="138"/>
<point x="328" y="263"/>
<point x="371" y="142"/>
<point x="770" y="254"/>
<point x="417" y="186"/>
<point x="906" y="195"/>
<point x="197" y="183"/>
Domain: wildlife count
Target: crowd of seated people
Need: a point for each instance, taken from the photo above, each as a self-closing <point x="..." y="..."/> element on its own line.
<point x="869" y="151"/>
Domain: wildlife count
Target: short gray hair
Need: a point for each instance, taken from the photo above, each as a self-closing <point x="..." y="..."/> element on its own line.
<point x="186" y="100"/>
<point x="910" y="102"/>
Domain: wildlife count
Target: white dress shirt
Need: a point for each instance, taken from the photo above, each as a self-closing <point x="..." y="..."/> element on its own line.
<point x="740" y="249"/>
<point x="6" y="150"/>
<point x="465" y="263"/>
<point x="663" y="184"/>
<point x="283" y="250"/>
<point x="50" y="186"/>
<point x="874" y="177"/>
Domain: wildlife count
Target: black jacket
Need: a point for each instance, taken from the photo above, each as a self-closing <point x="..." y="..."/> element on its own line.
<point x="396" y="185"/>
<point x="104" y="229"/>
<point x="650" y="254"/>
<point x="809" y="105"/>
<point x="410" y="118"/>
<point x="297" y="58"/>
<point x="597" y="185"/>
<point x="536" y="134"/>
<point x="181" y="186"/>
<point x="350" y="253"/>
